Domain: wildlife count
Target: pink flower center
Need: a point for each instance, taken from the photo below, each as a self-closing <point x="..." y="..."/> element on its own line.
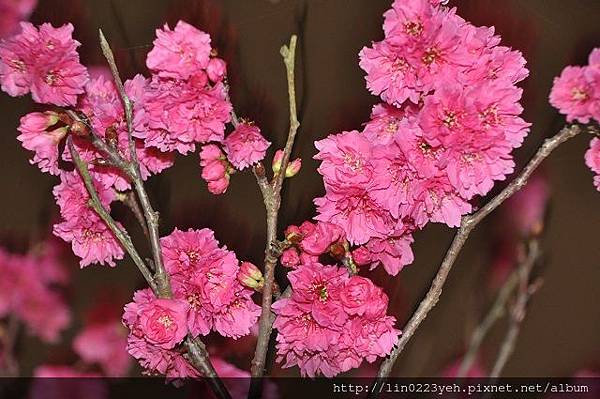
<point x="413" y="28"/>
<point x="18" y="65"/>
<point x="450" y="119"/>
<point x="52" y="78"/>
<point x="353" y="162"/>
<point x="165" y="320"/>
<point x="320" y="289"/>
<point x="431" y="55"/>
<point x="579" y="94"/>
<point x="399" y="65"/>
<point x="194" y="301"/>
<point x="193" y="256"/>
<point x="392" y="126"/>
<point x="490" y="116"/>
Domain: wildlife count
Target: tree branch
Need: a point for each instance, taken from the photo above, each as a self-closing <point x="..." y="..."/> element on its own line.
<point x="95" y="203"/>
<point x="271" y="193"/>
<point x="495" y="313"/>
<point x="526" y="290"/>
<point x="468" y="223"/>
<point x="159" y="282"/>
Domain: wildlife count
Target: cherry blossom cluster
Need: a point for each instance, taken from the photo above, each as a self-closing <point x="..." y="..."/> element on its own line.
<point x="12" y="12"/>
<point x="207" y="295"/>
<point x="183" y="103"/>
<point x="576" y="94"/>
<point x="443" y="135"/>
<point x="30" y="290"/>
<point x="332" y="321"/>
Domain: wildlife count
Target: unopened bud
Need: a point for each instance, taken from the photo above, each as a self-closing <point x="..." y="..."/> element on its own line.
<point x="79" y="129"/>
<point x="250" y="276"/>
<point x="277" y="159"/>
<point x="293" y="168"/>
<point x="293" y="234"/>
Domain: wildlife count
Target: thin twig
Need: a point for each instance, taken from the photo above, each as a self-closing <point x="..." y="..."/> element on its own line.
<point x="468" y="223"/>
<point x="129" y="199"/>
<point x="152" y="217"/>
<point x="95" y="203"/>
<point x="526" y="290"/>
<point x="495" y="313"/>
<point x="271" y="193"/>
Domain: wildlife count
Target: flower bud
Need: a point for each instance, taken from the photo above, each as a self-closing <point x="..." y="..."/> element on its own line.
<point x="293" y="234"/>
<point x="214" y="170"/>
<point x="79" y="129"/>
<point x="216" y="69"/>
<point x="210" y="152"/>
<point x="277" y="159"/>
<point x="290" y="258"/>
<point x="218" y="186"/>
<point x="250" y="276"/>
<point x="293" y="168"/>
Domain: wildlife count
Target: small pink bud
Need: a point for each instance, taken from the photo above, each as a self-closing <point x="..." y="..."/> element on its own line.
<point x="219" y="186"/>
<point x="307" y="228"/>
<point x="290" y="258"/>
<point x="52" y="118"/>
<point x="276" y="165"/>
<point x="216" y="69"/>
<point x="214" y="170"/>
<point x="293" y="168"/>
<point x="361" y="256"/>
<point x="250" y="276"/>
<point x="210" y="152"/>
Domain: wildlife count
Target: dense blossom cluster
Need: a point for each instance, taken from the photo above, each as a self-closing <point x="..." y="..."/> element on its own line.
<point x="443" y="136"/>
<point x="183" y="103"/>
<point x="43" y="61"/>
<point x="29" y="290"/>
<point x="332" y="322"/>
<point x="576" y="93"/>
<point x="12" y="12"/>
<point x="207" y="295"/>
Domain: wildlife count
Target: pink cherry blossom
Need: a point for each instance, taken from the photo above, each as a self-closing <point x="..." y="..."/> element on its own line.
<point x="91" y="240"/>
<point x="184" y="251"/>
<point x="393" y="252"/>
<point x="332" y="322"/>
<point x="179" y="53"/>
<point x="319" y="240"/>
<point x="573" y="95"/>
<point x="245" y="146"/>
<point x="44" y="61"/>
<point x="290" y="258"/>
<point x="592" y="160"/>
<point x="178" y="114"/>
<point x="39" y="134"/>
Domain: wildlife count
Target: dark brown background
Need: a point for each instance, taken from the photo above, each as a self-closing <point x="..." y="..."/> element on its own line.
<point x="562" y="330"/>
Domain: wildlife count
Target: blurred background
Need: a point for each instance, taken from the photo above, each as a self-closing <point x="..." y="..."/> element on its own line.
<point x="561" y="332"/>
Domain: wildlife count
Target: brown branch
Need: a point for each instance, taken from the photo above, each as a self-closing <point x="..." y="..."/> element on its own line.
<point x="271" y="193"/>
<point x="526" y="290"/>
<point x="95" y="203"/>
<point x="159" y="282"/>
<point x="495" y="313"/>
<point x="468" y="223"/>
<point x="129" y="199"/>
